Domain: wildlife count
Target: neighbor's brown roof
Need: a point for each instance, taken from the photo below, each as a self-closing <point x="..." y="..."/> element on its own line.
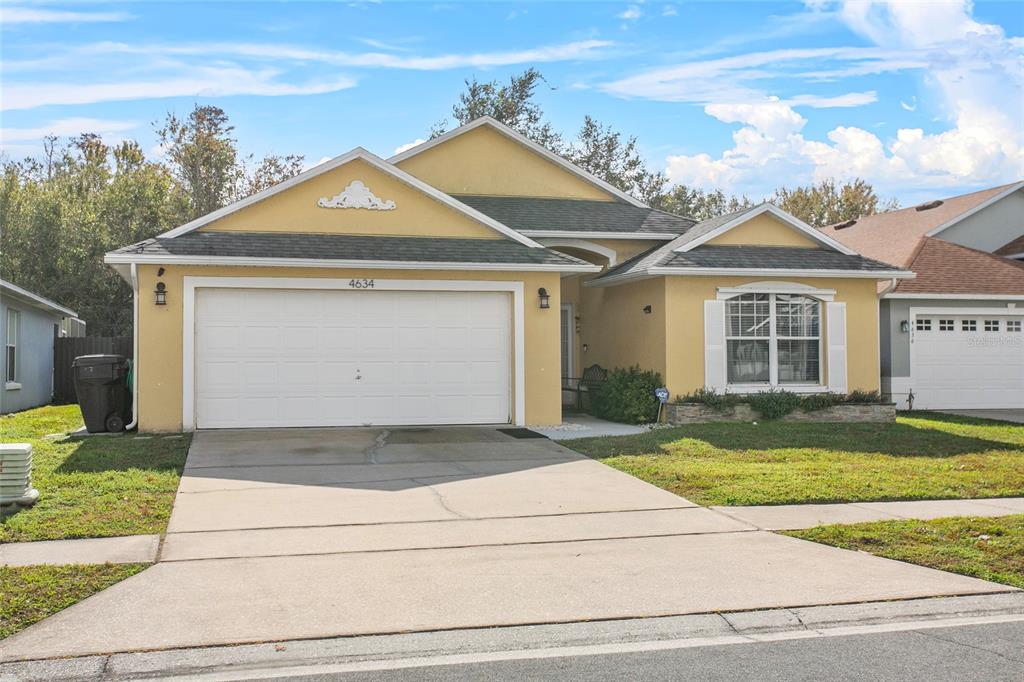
<point x="946" y="268"/>
<point x="1013" y="248"/>
<point x="894" y="237"/>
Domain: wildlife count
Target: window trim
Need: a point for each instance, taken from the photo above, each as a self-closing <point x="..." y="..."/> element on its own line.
<point x="773" y="350"/>
<point x="12" y="333"/>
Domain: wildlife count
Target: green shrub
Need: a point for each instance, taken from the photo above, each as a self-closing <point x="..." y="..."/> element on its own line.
<point x="627" y="396"/>
<point x="711" y="398"/>
<point x="863" y="397"/>
<point x="820" y="401"/>
<point x="775" y="403"/>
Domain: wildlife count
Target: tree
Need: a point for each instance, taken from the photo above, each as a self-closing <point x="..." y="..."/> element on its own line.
<point x="700" y="204"/>
<point x="828" y="203"/>
<point x="271" y="171"/>
<point x="511" y="104"/>
<point x="602" y="151"/>
<point x="203" y="157"/>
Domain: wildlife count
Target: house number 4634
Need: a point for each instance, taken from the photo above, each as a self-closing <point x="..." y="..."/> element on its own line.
<point x="361" y="283"/>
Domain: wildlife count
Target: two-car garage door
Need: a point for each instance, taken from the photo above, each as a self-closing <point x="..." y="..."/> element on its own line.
<point x="298" y="357"/>
<point x="967" y="361"/>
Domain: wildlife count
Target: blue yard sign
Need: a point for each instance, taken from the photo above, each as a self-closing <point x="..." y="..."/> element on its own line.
<point x="662" y="394"/>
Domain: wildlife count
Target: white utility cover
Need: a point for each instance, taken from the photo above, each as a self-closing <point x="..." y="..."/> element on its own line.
<point x="965" y="368"/>
<point x="297" y="357"/>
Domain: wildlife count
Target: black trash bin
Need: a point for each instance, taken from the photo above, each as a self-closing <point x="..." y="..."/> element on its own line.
<point x="102" y="389"/>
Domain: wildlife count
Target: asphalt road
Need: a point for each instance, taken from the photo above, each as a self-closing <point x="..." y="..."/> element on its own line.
<point x="978" y="652"/>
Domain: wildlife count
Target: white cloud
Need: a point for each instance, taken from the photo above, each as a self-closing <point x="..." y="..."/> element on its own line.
<point x="631" y="13"/>
<point x="38" y="15"/>
<point x="408" y="145"/>
<point x="65" y="127"/>
<point x="201" y="82"/>
<point x="909" y="107"/>
<point x="581" y="49"/>
<point x="973" y="68"/>
<point x="669" y="11"/>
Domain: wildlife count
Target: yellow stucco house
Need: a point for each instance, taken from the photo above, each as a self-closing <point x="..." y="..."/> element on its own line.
<point x="462" y="280"/>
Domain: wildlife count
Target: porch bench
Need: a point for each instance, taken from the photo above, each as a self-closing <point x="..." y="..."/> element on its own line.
<point x="592" y="378"/>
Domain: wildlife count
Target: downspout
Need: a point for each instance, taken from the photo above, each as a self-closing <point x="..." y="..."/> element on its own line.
<point x="135" y="350"/>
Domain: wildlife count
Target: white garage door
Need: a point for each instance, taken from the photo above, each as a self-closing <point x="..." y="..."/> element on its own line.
<point x="972" y="361"/>
<point x="279" y="357"/>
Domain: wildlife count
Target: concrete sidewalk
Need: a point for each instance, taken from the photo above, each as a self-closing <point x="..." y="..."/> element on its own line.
<point x="318" y="657"/>
<point x="131" y="549"/>
<point x="801" y="516"/>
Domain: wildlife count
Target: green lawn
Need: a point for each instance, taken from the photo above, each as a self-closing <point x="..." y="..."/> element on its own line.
<point x="927" y="456"/>
<point x="93" y="487"/>
<point x="991" y="549"/>
<point x="31" y="593"/>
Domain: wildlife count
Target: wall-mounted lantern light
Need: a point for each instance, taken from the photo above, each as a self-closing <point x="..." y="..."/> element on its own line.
<point x="904" y="326"/>
<point x="161" y="293"/>
<point x="545" y="300"/>
<point x="647" y="310"/>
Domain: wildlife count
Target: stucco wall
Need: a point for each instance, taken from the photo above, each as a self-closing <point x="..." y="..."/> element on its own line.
<point x="764" y="230"/>
<point x="159" y="360"/>
<point x="685" y="298"/>
<point x="34" y="357"/>
<point x="991" y="227"/>
<point x="295" y="210"/>
<point x="467" y="164"/>
<point x="616" y="330"/>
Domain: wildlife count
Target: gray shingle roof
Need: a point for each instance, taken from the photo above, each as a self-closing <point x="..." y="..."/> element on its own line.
<point x="575" y="215"/>
<point x="771" y="257"/>
<point x="739" y="257"/>
<point x="349" y="247"/>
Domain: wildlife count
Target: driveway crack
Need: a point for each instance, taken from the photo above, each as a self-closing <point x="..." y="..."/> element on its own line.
<point x="440" y="498"/>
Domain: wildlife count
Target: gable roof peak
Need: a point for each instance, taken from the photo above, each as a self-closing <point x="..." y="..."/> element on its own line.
<point x="375" y="161"/>
<point x="518" y="137"/>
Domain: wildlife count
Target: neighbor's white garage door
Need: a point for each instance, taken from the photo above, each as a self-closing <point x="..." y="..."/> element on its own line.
<point x="277" y="357"/>
<point x="967" y="361"/>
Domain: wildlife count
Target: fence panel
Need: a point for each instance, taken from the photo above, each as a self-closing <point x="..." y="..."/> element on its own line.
<point x="66" y="349"/>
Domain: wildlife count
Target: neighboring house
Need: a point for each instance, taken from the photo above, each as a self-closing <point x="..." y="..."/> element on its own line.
<point x="953" y="335"/>
<point x="460" y="281"/>
<point x="28" y="326"/>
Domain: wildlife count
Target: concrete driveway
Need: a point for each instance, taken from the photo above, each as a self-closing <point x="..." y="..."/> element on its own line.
<point x="308" y="533"/>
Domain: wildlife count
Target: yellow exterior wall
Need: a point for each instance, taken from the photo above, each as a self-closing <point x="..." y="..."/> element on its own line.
<point x="484" y="161"/>
<point x="295" y="210"/>
<point x="764" y="230"/>
<point x="685" y="327"/>
<point x="159" y="362"/>
<point x="670" y="339"/>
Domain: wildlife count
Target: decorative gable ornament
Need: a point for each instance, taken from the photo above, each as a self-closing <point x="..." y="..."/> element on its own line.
<point x="357" y="195"/>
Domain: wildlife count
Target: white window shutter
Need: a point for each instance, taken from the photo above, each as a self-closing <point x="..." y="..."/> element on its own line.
<point x="714" y="345"/>
<point x="835" y="319"/>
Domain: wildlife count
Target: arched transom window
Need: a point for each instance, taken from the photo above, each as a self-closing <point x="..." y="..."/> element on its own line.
<point x="773" y="339"/>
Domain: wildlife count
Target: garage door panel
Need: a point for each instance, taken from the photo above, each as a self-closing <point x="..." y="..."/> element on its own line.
<point x="966" y="365"/>
<point x="335" y="358"/>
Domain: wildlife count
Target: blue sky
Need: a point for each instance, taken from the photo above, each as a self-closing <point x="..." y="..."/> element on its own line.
<point x="922" y="99"/>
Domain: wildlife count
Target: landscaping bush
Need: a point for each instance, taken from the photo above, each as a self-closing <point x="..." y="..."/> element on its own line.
<point x="712" y="398"/>
<point x="774" y="403"/>
<point x="627" y="396"/>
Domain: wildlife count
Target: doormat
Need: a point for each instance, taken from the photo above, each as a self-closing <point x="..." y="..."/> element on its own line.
<point x="521" y="433"/>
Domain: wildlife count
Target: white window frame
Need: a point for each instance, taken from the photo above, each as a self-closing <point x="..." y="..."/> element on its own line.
<point x="191" y="284"/>
<point x="11" y="343"/>
<point x="773" y="339"/>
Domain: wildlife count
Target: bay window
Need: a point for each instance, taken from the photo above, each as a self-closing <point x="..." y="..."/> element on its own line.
<point x="773" y="339"/>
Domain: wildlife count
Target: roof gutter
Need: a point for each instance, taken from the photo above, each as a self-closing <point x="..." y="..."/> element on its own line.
<point x="750" y="272"/>
<point x="115" y="258"/>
